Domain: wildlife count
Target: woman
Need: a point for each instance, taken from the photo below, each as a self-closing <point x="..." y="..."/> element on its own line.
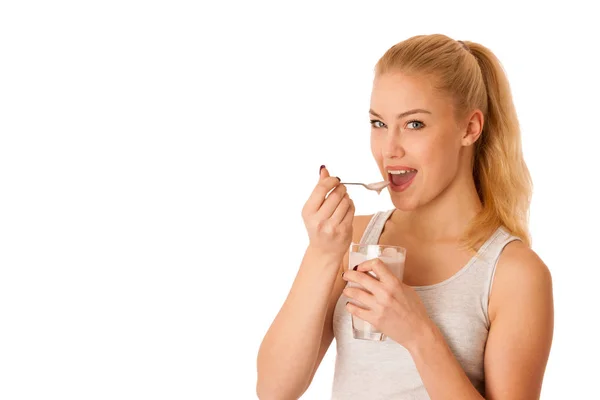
<point x="473" y="316"/>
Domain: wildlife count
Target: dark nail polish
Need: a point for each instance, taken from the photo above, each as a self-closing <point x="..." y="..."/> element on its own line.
<point x="321" y="169"/>
<point x="355" y="268"/>
<point x="338" y="178"/>
<point x="343" y="274"/>
<point x="347" y="302"/>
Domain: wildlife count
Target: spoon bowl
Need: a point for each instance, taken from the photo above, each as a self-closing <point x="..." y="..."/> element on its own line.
<point x="375" y="186"/>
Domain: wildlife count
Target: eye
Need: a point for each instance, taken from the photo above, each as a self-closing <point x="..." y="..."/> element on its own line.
<point x="414" y="124"/>
<point x="377" y="124"/>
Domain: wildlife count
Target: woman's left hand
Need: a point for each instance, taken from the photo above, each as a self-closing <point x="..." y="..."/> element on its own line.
<point x="393" y="307"/>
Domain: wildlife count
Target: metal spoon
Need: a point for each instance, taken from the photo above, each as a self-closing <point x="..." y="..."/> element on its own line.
<point x="376" y="186"/>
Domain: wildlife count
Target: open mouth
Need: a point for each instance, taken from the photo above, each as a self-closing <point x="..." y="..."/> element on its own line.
<point x="401" y="178"/>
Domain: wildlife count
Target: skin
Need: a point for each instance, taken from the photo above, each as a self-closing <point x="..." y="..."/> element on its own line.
<point x="429" y="219"/>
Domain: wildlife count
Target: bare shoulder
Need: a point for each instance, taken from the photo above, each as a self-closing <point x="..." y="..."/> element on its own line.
<point x="521" y="275"/>
<point x="359" y="225"/>
<point x="520" y="265"/>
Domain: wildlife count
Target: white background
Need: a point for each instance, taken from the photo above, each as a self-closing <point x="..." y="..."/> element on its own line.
<point x="155" y="157"/>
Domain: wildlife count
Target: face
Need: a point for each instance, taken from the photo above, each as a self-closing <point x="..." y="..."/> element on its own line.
<point x="416" y="140"/>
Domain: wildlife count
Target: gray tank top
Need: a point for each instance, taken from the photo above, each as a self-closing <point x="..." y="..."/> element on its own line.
<point x="458" y="306"/>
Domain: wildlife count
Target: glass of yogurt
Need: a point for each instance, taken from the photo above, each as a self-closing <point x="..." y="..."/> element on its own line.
<point x="393" y="257"/>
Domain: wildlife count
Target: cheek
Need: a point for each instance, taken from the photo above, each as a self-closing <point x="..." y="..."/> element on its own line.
<point x="441" y="159"/>
<point x="376" y="146"/>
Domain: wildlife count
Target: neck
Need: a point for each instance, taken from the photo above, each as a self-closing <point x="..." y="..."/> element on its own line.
<point x="446" y="217"/>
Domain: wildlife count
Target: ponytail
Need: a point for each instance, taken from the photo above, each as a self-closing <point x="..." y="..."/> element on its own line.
<point x="501" y="176"/>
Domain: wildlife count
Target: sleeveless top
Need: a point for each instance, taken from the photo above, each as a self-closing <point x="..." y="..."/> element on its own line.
<point x="458" y="306"/>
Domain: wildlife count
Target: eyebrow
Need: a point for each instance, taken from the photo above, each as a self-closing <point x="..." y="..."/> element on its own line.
<point x="404" y="114"/>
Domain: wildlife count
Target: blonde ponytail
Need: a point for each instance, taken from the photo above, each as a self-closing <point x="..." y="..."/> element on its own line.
<point x="501" y="175"/>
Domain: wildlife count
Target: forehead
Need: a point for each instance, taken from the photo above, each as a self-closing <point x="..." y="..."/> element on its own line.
<point x="396" y="92"/>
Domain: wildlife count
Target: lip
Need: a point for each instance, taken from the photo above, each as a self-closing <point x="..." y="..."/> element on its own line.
<point x="398" y="167"/>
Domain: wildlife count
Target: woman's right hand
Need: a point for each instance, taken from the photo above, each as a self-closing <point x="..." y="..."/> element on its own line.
<point x="328" y="218"/>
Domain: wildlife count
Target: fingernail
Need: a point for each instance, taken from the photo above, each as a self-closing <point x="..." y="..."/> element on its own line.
<point x="321" y="169"/>
<point x="338" y="178"/>
<point x="355" y="268"/>
<point x="343" y="274"/>
<point x="347" y="302"/>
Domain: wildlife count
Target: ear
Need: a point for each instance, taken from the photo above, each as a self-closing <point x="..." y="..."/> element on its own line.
<point x="473" y="129"/>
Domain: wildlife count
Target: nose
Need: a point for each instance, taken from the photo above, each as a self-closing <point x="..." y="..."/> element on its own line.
<point x="393" y="144"/>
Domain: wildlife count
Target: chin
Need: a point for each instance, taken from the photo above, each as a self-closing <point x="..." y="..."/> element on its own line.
<point x="406" y="203"/>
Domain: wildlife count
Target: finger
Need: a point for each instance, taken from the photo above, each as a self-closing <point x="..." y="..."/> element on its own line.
<point x="323" y="172"/>
<point x="362" y="296"/>
<point x="317" y="197"/>
<point x="332" y="202"/>
<point x="379" y="268"/>
<point x="367" y="281"/>
<point x="358" y="311"/>
<point x="349" y="218"/>
<point x="341" y="210"/>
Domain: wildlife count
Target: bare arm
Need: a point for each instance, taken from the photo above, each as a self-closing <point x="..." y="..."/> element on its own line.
<point x="359" y="226"/>
<point x="518" y="345"/>
<point x="327" y="334"/>
<point x="522" y="315"/>
<point x="295" y="343"/>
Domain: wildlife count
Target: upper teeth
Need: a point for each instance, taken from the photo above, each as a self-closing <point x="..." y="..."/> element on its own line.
<point x="400" y="171"/>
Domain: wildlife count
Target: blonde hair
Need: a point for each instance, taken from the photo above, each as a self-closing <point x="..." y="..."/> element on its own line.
<point x="472" y="75"/>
